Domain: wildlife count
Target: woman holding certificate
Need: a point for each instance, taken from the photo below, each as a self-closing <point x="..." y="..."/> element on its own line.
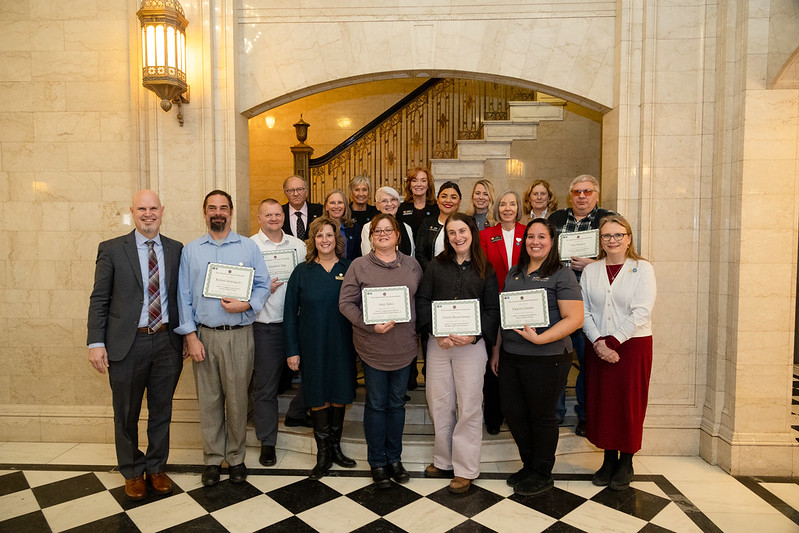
<point x="337" y="209"/>
<point x="618" y="293"/>
<point x="502" y="244"/>
<point x="533" y="362"/>
<point x="318" y="340"/>
<point x="458" y="306"/>
<point x="384" y="331"/>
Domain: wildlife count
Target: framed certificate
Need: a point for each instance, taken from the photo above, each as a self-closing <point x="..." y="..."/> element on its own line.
<point x="384" y="304"/>
<point x="456" y="317"/>
<point x="578" y="244"/>
<point x="228" y="281"/>
<point x="280" y="263"/>
<point x="518" y="308"/>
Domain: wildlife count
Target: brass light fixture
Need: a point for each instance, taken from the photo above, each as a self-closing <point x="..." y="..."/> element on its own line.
<point x="163" y="38"/>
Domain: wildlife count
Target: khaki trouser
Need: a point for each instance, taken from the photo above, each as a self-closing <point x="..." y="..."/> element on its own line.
<point x="222" y="380"/>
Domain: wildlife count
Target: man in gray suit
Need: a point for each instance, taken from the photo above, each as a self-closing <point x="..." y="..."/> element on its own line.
<point x="133" y="311"/>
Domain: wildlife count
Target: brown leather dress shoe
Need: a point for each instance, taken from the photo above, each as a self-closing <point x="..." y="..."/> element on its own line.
<point x="459" y="485"/>
<point x="160" y="483"/>
<point x="135" y="488"/>
<point x="434" y="471"/>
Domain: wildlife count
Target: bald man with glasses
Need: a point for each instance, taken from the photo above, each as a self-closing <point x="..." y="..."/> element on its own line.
<point x="584" y="215"/>
<point x="298" y="212"/>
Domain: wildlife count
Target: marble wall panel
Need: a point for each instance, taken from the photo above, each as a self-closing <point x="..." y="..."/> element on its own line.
<point x="17" y="127"/>
<point x="46" y="35"/>
<point x="38" y="96"/>
<point x="15" y="35"/>
<point x="15" y="66"/>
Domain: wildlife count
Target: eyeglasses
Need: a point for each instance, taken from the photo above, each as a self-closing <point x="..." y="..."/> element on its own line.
<point x="298" y="190"/>
<point x="388" y="201"/>
<point x="383" y="231"/>
<point x="578" y="192"/>
<point x="607" y="237"/>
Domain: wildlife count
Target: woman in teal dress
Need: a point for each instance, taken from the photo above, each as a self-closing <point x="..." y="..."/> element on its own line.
<point x="318" y="340"/>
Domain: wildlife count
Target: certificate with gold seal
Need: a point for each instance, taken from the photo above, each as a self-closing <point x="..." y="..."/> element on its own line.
<point x="456" y="317"/>
<point x="520" y="308"/>
<point x="280" y="263"/>
<point x="386" y="304"/>
<point x="578" y="244"/>
<point x="228" y="281"/>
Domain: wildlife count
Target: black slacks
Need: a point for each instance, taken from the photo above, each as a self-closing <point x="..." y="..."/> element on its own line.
<point x="529" y="388"/>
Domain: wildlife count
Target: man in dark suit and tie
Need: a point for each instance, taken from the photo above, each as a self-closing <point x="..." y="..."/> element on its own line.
<point x="298" y="214"/>
<point x="133" y="310"/>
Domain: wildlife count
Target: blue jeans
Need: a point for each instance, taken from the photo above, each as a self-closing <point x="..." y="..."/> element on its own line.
<point x="578" y="342"/>
<point x="384" y="414"/>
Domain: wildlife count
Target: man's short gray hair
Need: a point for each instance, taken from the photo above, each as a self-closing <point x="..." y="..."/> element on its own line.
<point x="585" y="177"/>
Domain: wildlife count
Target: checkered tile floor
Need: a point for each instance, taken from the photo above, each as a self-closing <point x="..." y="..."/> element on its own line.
<point x="74" y="498"/>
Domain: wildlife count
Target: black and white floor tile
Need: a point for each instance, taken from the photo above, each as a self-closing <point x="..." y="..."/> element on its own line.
<point x="74" y="497"/>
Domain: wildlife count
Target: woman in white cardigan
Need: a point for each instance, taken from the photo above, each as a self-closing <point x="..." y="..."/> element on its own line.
<point x="618" y="295"/>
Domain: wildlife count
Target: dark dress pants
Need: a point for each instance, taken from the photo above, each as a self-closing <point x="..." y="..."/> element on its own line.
<point x="270" y="359"/>
<point x="153" y="365"/>
<point x="530" y="387"/>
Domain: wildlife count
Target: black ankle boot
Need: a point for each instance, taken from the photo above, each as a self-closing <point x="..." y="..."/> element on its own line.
<point x="336" y="427"/>
<point x="623" y="474"/>
<point x="321" y="432"/>
<point x="605" y="472"/>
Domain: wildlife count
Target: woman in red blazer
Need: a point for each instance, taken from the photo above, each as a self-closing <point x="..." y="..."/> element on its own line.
<point x="500" y="242"/>
<point x="507" y="235"/>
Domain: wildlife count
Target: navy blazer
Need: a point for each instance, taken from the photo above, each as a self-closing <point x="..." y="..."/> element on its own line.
<point x="115" y="304"/>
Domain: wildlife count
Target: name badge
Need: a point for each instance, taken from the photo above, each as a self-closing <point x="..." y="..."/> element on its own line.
<point x="339" y="277"/>
<point x="497" y="238"/>
<point x="408" y="212"/>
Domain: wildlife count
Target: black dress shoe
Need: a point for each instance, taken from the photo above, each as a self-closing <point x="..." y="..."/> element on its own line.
<point x="381" y="476"/>
<point x="515" y="478"/>
<point x="292" y="422"/>
<point x="238" y="473"/>
<point x="267" y="457"/>
<point x="533" y="485"/>
<point x="211" y="475"/>
<point x="492" y="430"/>
<point x="398" y="472"/>
<point x="579" y="430"/>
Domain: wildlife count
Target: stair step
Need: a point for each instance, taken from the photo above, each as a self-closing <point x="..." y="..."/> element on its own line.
<point x="482" y="149"/>
<point x="535" y="111"/>
<point x="418" y="435"/>
<point x="512" y="131"/>
<point x="454" y="169"/>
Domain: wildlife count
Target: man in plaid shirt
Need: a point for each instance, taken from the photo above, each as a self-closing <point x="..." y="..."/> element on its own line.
<point x="582" y="216"/>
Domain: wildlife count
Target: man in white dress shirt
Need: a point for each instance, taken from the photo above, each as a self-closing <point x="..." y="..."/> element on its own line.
<point x="270" y="359"/>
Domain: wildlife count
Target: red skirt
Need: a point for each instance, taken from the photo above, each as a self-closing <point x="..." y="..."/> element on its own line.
<point x="616" y="395"/>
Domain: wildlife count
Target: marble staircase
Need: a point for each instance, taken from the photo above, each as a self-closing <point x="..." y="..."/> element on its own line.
<point x="418" y="437"/>
<point x="498" y="135"/>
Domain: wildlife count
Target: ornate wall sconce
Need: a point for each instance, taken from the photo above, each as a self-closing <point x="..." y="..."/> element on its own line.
<point x="163" y="37"/>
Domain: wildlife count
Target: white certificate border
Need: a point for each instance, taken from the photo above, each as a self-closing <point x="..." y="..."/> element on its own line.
<point x="572" y="233"/>
<point x="406" y="293"/>
<point x="284" y="251"/>
<point x="540" y="293"/>
<point x="474" y="302"/>
<point x="208" y="294"/>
